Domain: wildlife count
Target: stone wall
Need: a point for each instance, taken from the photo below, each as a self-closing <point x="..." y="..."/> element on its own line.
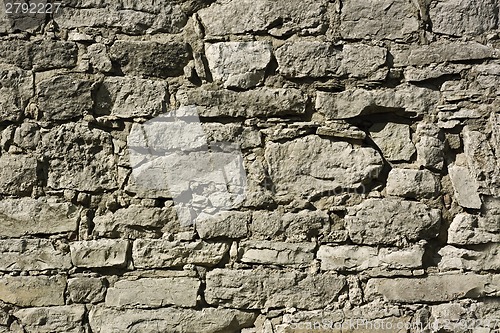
<point x="370" y="138"/>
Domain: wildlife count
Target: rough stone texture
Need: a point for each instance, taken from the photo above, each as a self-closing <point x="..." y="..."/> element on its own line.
<point x="361" y="60"/>
<point x="32" y="290"/>
<point x="32" y="255"/>
<point x="410" y="183"/>
<point x="99" y="253"/>
<point x="225" y="224"/>
<point x="84" y="289"/>
<point x="280" y="253"/>
<point x="16" y="88"/>
<point x="18" y="175"/>
<point x="478" y="259"/>
<point x="466" y="188"/>
<point x="386" y="221"/>
<point x="472" y="229"/>
<point x="254" y="289"/>
<point x="394" y="141"/>
<point x="54" y="319"/>
<point x="238" y="64"/>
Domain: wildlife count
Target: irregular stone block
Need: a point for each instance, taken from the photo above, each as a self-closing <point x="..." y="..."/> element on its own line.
<point x="478" y="258"/>
<point x="136" y="222"/>
<point x="458" y="17"/>
<point x="276" y="253"/>
<point x="32" y="290"/>
<point x="154" y="292"/>
<point x="79" y="158"/>
<point x="379" y="19"/>
<point x="410" y="183"/>
<point x="361" y="60"/>
<point x="51" y="54"/>
<point x="209" y="320"/>
<point x="409" y="100"/>
<point x="238" y="64"/>
<point x="465" y="187"/>
<point x="54" y="319"/>
<point x="394" y="140"/>
<point x="467" y="229"/>
<point x="429" y="146"/>
<point x="295" y="59"/>
<point x="389" y="220"/>
<point x="341" y="129"/>
<point x="32" y="255"/>
<point x="27" y="216"/>
<point x="260" y="289"/>
<point x="254" y="103"/>
<point x="225" y="224"/>
<point x="129" y="97"/>
<point x="361" y="258"/>
<point x="16" y="88"/>
<point x="159" y="253"/>
<point x="64" y="97"/>
<point x="17" y="52"/>
<point x="238" y="17"/>
<point x="315" y="165"/>
<point x="434" y="288"/>
<point x="99" y="253"/>
<point x="143" y="58"/>
<point x="18" y="174"/>
<point x="86" y="289"/>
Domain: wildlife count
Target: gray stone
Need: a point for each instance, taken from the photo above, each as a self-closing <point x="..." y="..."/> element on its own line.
<point x="225" y="224"/>
<point x="463" y="17"/>
<point x="64" y="97"/>
<point x="52" y="54"/>
<point x="387" y="221"/>
<point x="277" y="253"/>
<point x="17" y="52"/>
<point x="27" y="216"/>
<point x="99" y="253"/>
<point x="434" y="288"/>
<point x="341" y="129"/>
<point x="208" y="320"/>
<point x="465" y="186"/>
<point x="159" y="253"/>
<point x="478" y="258"/>
<point x="361" y="258"/>
<point x="129" y="97"/>
<point x="237" y="17"/>
<point x="32" y="255"/>
<point x="254" y="103"/>
<point x="85" y="289"/>
<point x="350" y="103"/>
<point x="361" y="60"/>
<point x="143" y="58"/>
<point x="294" y="59"/>
<point x="154" y="292"/>
<point x="432" y="71"/>
<point x="16" y="88"/>
<point x="410" y="183"/>
<point x="380" y="19"/>
<point x="99" y="58"/>
<point x="315" y="165"/>
<point x="394" y="140"/>
<point x="54" y="319"/>
<point x="18" y="175"/>
<point x="429" y="146"/>
<point x="32" y="290"/>
<point x="261" y="289"/>
<point x="238" y="64"/>
<point x="467" y="229"/>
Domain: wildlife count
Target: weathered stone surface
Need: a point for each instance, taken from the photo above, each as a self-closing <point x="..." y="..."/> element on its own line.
<point x="341" y="129"/>
<point x="258" y="289"/>
<point x="278" y="253"/>
<point x="410" y="183"/>
<point x="238" y="64"/>
<point x="135" y="222"/>
<point x="355" y="102"/>
<point x="154" y="59"/>
<point x="32" y="255"/>
<point x="387" y="221"/>
<point x="27" y="216"/>
<point x="458" y="17"/>
<point x="361" y="258"/>
<point x="380" y="19"/>
<point x="469" y="229"/>
<point x="128" y="97"/>
<point x="92" y="166"/>
<point x="225" y="224"/>
<point x="159" y="253"/>
<point x="237" y="17"/>
<point x="394" y="140"/>
<point x="16" y="88"/>
<point x="465" y="186"/>
<point x="316" y="165"/>
<point x="294" y="59"/>
<point x="52" y="54"/>
<point x="361" y="60"/>
<point x="154" y="292"/>
<point x="64" y="97"/>
<point x="18" y="174"/>
<point x="209" y="320"/>
<point x="254" y="103"/>
<point x="434" y="288"/>
<point x="99" y="253"/>
<point x="55" y="319"/>
<point x="86" y="289"/>
<point x="429" y="146"/>
<point x="32" y="290"/>
<point x="478" y="258"/>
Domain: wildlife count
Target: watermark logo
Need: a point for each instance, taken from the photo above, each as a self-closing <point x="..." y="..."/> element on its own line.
<point x="23" y="15"/>
<point x="171" y="152"/>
